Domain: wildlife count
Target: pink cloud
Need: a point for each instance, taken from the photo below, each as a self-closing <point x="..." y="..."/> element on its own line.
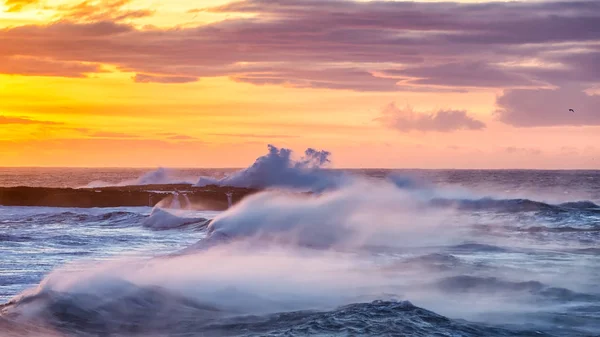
<point x="406" y="120"/>
<point x="31" y="66"/>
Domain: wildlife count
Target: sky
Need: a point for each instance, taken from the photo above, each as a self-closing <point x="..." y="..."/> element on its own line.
<point x="388" y="84"/>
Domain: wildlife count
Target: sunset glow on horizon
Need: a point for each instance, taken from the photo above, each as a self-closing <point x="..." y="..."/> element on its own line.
<point x="385" y="84"/>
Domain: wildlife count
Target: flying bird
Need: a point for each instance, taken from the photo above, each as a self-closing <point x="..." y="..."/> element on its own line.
<point x="571" y="110"/>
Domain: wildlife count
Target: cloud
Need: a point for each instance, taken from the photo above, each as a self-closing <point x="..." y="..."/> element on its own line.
<point x="465" y="74"/>
<point x="18" y="5"/>
<point x="548" y="107"/>
<point x="342" y="44"/>
<point x="249" y="135"/>
<point x="143" y="78"/>
<point x="6" y="120"/>
<point x="332" y="78"/>
<point x="31" y="66"/>
<point x="181" y="137"/>
<point x="520" y="150"/>
<point x="108" y="134"/>
<point x="101" y="10"/>
<point x="406" y="120"/>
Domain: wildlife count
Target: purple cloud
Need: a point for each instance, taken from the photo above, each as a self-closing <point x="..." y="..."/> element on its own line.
<point x="464" y="74"/>
<point x="548" y="107"/>
<point x="143" y="78"/>
<point x="406" y="120"/>
<point x="342" y="44"/>
<point x="31" y="66"/>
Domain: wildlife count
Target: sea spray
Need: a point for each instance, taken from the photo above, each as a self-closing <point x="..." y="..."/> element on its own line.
<point x="278" y="169"/>
<point x="160" y="176"/>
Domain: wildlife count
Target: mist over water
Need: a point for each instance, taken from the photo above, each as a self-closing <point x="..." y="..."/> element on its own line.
<point x="159" y="176"/>
<point x="477" y="261"/>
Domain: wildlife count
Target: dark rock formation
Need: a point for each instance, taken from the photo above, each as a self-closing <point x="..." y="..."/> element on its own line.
<point x="208" y="197"/>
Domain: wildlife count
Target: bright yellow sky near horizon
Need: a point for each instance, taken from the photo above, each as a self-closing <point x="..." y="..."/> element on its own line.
<point x="106" y="119"/>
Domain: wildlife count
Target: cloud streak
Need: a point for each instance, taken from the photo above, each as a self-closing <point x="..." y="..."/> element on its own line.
<point x="7" y="120"/>
<point x="101" y="10"/>
<point x="31" y="66"/>
<point x="18" y="5"/>
<point x="406" y="120"/>
<point x="144" y="78"/>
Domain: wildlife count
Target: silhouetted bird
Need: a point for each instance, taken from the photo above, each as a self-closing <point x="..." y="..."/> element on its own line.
<point x="571" y="110"/>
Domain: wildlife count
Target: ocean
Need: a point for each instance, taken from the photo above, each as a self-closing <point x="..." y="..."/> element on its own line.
<point x="365" y="253"/>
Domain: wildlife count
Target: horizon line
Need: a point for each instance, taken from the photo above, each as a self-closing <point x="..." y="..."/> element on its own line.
<point x="326" y="168"/>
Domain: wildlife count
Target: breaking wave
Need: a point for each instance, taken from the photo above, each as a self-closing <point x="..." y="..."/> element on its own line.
<point x="378" y="318"/>
<point x="515" y="205"/>
<point x="110" y="217"/>
<point x="162" y="219"/>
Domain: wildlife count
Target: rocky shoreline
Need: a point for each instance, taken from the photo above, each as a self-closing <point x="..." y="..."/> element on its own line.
<point x="207" y="197"/>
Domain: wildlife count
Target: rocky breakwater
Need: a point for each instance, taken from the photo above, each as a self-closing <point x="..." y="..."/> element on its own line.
<point x="206" y="197"/>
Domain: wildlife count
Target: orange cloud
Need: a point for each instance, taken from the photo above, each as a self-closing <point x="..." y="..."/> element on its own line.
<point x="101" y="10"/>
<point x="5" y="120"/>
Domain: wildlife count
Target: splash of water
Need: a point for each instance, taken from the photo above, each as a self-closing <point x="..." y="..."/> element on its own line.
<point x="278" y="169"/>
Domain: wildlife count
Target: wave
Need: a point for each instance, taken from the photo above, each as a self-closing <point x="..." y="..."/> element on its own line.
<point x="158" y="311"/>
<point x="108" y="218"/>
<point x="363" y="214"/>
<point x="127" y="308"/>
<point x="489" y="285"/>
<point x="515" y="205"/>
<point x="278" y="169"/>
<point x="14" y="238"/>
<point x="479" y="247"/>
<point x="161" y="219"/>
<point x="563" y="229"/>
<point x="590" y="251"/>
